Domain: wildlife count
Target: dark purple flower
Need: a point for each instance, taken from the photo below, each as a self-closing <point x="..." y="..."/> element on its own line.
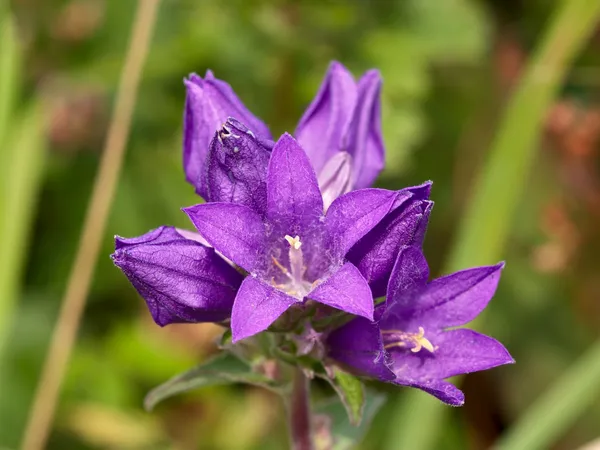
<point x="208" y="104"/>
<point x="294" y="252"/>
<point x="340" y="131"/>
<point x="411" y="343"/>
<point x="181" y="279"/>
<point x="405" y="225"/>
<point x="237" y="167"/>
<point x="345" y="116"/>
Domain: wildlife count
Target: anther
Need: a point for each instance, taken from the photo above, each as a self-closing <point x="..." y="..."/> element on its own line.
<point x="293" y="241"/>
<point x="398" y="338"/>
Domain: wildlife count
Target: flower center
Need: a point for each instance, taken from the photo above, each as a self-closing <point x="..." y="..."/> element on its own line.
<point x="295" y="284"/>
<point x="414" y="341"/>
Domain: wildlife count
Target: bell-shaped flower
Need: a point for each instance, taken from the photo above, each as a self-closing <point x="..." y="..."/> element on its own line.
<point x="294" y="252"/>
<point x="405" y="225"/>
<point x="209" y="102"/>
<point x="181" y="279"/>
<point x="413" y="340"/>
<point x="340" y="131"/>
<point x="345" y="116"/>
<point x="237" y="166"/>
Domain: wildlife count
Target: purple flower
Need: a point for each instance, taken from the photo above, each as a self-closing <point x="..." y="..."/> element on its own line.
<point x="181" y="279"/>
<point x="345" y="116"/>
<point x="410" y="342"/>
<point x="294" y="252"/>
<point x="208" y="104"/>
<point x="340" y="131"/>
<point x="237" y="167"/>
<point x="405" y="225"/>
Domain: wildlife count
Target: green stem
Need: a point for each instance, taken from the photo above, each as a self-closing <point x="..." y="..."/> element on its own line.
<point x="486" y="225"/>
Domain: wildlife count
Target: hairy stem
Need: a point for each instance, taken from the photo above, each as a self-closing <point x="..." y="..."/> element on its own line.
<point x="299" y="413"/>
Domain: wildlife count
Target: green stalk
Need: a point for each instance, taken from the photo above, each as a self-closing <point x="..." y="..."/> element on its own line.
<point x="489" y="216"/>
<point x="21" y="173"/>
<point x="9" y="69"/>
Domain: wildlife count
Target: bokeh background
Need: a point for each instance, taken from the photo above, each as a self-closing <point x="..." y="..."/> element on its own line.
<point x="448" y="66"/>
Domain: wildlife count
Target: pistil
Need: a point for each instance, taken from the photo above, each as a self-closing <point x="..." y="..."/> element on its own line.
<point x="297" y="286"/>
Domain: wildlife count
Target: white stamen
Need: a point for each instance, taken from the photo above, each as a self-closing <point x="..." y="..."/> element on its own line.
<point x="293" y="241"/>
<point x="296" y="285"/>
<point x="296" y="258"/>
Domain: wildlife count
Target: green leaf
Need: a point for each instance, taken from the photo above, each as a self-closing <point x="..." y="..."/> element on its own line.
<point x="222" y="369"/>
<point x="338" y="428"/>
<point x="351" y="392"/>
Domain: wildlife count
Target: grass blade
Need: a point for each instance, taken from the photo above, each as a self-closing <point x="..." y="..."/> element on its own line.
<point x="486" y="225"/>
<point x="558" y="407"/>
<point x="20" y="175"/>
<point x="9" y="63"/>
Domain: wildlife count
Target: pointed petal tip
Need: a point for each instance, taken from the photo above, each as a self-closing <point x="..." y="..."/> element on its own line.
<point x="159" y="322"/>
<point x="456" y="401"/>
<point x="337" y="67"/>
<point x="346" y="290"/>
<point x="193" y="79"/>
<point x="421" y="191"/>
<point x="373" y="76"/>
<point x="235" y="339"/>
<point x="113" y="257"/>
<point x="286" y="140"/>
<point x="287" y="137"/>
<point x="257" y="305"/>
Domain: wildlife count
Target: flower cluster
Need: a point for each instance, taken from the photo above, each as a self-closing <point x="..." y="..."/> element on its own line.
<point x="292" y="239"/>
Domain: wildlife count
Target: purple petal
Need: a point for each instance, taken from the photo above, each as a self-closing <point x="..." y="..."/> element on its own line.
<point x="336" y="178"/>
<point x="234" y="230"/>
<point x="237" y="167"/>
<point x="421" y="229"/>
<point x="456" y="352"/>
<point x="458" y="298"/>
<point x="354" y="214"/>
<point x="346" y="290"/>
<point x="293" y="196"/>
<point x="409" y="273"/>
<point x="358" y="347"/>
<point x="209" y="102"/>
<point x="365" y="140"/>
<point x="421" y="191"/>
<point x="375" y="254"/>
<point x="256" y="307"/>
<point x="180" y="279"/>
<point x="326" y="121"/>
<point x="444" y="391"/>
<point x="193" y="236"/>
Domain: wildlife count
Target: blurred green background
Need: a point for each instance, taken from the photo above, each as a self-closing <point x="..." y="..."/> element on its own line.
<point x="449" y="67"/>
